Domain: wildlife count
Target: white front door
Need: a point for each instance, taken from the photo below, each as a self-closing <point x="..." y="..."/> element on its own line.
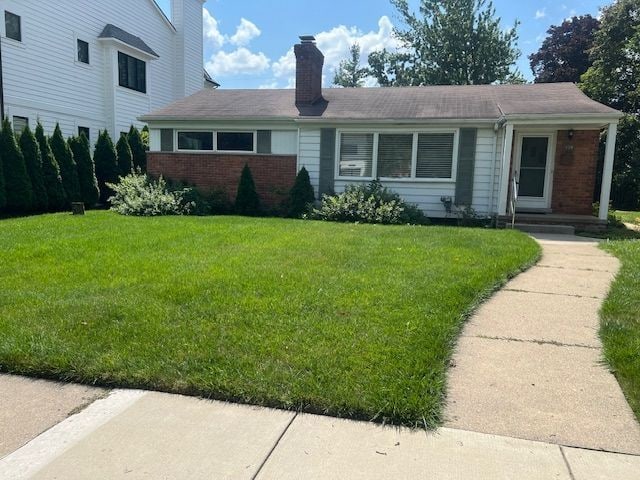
<point x="534" y="170"/>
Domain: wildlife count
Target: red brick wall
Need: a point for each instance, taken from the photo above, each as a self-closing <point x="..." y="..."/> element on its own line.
<point x="574" y="176"/>
<point x="274" y="175"/>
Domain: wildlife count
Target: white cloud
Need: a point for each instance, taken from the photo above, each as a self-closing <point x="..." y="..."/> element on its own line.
<point x="245" y="32"/>
<point x="211" y="32"/>
<point x="238" y="62"/>
<point x="541" y="13"/>
<point x="268" y="86"/>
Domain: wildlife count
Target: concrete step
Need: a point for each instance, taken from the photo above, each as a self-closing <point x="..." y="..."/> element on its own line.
<point x="541" y="228"/>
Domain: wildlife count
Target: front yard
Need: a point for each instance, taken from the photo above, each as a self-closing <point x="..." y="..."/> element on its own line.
<point x="349" y="320"/>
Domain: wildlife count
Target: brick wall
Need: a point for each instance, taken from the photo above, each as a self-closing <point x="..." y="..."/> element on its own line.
<point x="273" y="175"/>
<point x="574" y="175"/>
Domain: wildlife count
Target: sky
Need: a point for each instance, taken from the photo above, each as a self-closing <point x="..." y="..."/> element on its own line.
<point x="249" y="43"/>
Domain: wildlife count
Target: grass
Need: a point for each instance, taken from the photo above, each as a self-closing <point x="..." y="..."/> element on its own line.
<point x="343" y="319"/>
<point x="628" y="217"/>
<point x="620" y="325"/>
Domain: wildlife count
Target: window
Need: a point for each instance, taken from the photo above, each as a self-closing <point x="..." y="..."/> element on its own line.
<point x="235" y="141"/>
<point x="83" y="51"/>
<point x="132" y="73"/>
<point x="394" y="155"/>
<point x="84" y="130"/>
<point x="195" y="140"/>
<point x="19" y="124"/>
<point x="435" y="155"/>
<point x="356" y="154"/>
<point x="12" y="26"/>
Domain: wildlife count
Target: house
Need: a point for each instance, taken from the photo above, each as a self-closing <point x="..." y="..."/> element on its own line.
<point x="441" y="147"/>
<point x="97" y="65"/>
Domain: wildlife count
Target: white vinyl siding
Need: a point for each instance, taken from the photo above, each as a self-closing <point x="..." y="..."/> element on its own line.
<point x="309" y="154"/>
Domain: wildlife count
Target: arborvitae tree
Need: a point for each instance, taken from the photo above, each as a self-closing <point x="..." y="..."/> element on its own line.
<point x="125" y="158"/>
<point x="106" y="163"/>
<point x="247" y="199"/>
<point x="56" y="197"/>
<point x="301" y="194"/>
<point x="138" y="149"/>
<point x="3" y="194"/>
<point x="33" y="161"/>
<point x="68" y="167"/>
<point x="17" y="184"/>
<point x="86" y="169"/>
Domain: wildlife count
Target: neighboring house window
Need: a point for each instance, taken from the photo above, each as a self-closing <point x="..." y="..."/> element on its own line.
<point x="132" y="73"/>
<point x="12" y="26"/>
<point x="83" y="51"/>
<point x="234" y="141"/>
<point x="19" y="124"/>
<point x="195" y="140"/>
<point x="356" y="154"/>
<point x="84" y="130"/>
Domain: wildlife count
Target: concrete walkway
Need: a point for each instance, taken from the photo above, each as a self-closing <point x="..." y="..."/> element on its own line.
<point x="529" y="363"/>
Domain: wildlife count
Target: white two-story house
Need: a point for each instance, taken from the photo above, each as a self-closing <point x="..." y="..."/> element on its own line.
<point x="91" y="66"/>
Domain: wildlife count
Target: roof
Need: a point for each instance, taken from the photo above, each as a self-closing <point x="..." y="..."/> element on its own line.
<point x="111" y="31"/>
<point x="468" y="102"/>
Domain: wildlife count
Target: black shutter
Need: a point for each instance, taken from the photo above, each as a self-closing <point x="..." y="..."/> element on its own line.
<point x="264" y="141"/>
<point x="166" y="140"/>
<point x="327" y="160"/>
<point x="466" y="166"/>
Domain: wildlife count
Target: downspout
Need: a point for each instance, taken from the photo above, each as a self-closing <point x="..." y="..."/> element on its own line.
<point x="496" y="127"/>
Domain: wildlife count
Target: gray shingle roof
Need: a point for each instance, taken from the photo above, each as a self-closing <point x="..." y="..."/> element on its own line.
<point x="469" y="102"/>
<point x="111" y="31"/>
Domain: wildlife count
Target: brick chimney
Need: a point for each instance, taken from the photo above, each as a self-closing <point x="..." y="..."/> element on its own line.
<point x="309" y="62"/>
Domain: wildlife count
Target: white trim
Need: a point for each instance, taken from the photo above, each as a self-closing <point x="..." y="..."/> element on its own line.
<point x="607" y="172"/>
<point x="119" y="44"/>
<point x="214" y="141"/>
<point x="543" y="202"/>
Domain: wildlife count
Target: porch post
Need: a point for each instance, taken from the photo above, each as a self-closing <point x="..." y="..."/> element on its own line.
<point x="607" y="171"/>
<point x="506" y="167"/>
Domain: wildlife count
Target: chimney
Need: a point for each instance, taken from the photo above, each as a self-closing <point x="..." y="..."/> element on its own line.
<point x="309" y="62"/>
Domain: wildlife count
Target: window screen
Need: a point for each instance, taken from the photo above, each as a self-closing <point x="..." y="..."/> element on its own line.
<point x="435" y="155"/>
<point x="12" y="26"/>
<point x="235" y="141"/>
<point x="356" y="154"/>
<point x="195" y="140"/>
<point x="394" y="155"/>
<point x="132" y="73"/>
<point x="83" y="51"/>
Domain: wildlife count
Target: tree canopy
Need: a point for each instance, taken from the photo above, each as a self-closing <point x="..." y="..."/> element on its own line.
<point x="349" y="72"/>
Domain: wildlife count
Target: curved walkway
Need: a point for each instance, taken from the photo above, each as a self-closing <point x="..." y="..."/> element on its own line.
<point x="529" y="363"/>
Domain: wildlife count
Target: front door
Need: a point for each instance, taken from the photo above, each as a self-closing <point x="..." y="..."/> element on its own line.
<point x="534" y="170"/>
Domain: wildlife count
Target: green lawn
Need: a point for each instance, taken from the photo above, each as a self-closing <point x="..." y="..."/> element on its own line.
<point x="620" y="327"/>
<point x="628" y="217"/>
<point x="349" y="320"/>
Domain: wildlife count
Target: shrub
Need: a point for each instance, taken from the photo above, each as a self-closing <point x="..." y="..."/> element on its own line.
<point x="56" y="197"/>
<point x="86" y="169"/>
<point x="18" y="191"/>
<point x="247" y="199"/>
<point x="370" y="203"/>
<point x="33" y="162"/>
<point x="68" y="167"/>
<point x="125" y="158"/>
<point x="137" y="194"/>
<point x="138" y="150"/>
<point x="106" y="163"/>
<point x="301" y="195"/>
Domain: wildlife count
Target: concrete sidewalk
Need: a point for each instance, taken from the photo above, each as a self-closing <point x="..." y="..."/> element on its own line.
<point x="529" y="362"/>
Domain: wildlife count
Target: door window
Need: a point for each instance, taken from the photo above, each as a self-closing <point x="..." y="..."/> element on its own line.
<point x="533" y="166"/>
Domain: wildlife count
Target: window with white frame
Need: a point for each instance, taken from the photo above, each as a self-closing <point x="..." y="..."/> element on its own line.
<point x="234" y="141"/>
<point x="397" y="155"/>
<point x="225" y="141"/>
<point x="195" y="140"/>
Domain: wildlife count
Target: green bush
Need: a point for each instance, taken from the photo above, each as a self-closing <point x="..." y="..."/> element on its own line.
<point x="301" y="195"/>
<point x="33" y="162"/>
<point x="125" y="158"/>
<point x="136" y="194"/>
<point x="370" y="203"/>
<point x="68" y="167"/>
<point x="138" y="150"/>
<point x="247" y="199"/>
<point x="56" y="197"/>
<point x="106" y="163"/>
<point x="86" y="169"/>
<point x="19" y="194"/>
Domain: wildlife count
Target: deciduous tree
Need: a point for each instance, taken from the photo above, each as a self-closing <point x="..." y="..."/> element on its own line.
<point x="349" y="72"/>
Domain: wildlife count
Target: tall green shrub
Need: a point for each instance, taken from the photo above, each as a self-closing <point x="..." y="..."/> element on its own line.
<point x="68" y="167"/>
<point x="125" y="158"/>
<point x="106" y="162"/>
<point x="17" y="183"/>
<point x="247" y="199"/>
<point x="33" y="161"/>
<point x="301" y="194"/>
<point x="138" y="149"/>
<point x="86" y="169"/>
<point x="3" y="193"/>
<point x="56" y="197"/>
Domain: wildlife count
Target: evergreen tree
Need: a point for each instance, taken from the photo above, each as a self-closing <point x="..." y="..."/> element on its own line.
<point x="3" y="193"/>
<point x="301" y="194"/>
<point x="125" y="158"/>
<point x="56" y="197"/>
<point x="19" y="194"/>
<point x="68" y="167"/>
<point x="33" y="161"/>
<point x="247" y="200"/>
<point x="86" y="169"/>
<point x="106" y="164"/>
<point x="138" y="149"/>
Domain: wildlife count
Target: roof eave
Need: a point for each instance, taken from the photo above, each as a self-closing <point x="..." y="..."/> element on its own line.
<point x="129" y="46"/>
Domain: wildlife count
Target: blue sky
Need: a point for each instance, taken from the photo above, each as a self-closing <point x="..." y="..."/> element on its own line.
<point x="248" y="43"/>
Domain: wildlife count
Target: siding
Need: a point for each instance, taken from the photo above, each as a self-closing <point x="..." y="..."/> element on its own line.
<point x="309" y="156"/>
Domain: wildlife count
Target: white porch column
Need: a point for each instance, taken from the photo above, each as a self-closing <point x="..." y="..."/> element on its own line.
<point x="506" y="167"/>
<point x="607" y="170"/>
